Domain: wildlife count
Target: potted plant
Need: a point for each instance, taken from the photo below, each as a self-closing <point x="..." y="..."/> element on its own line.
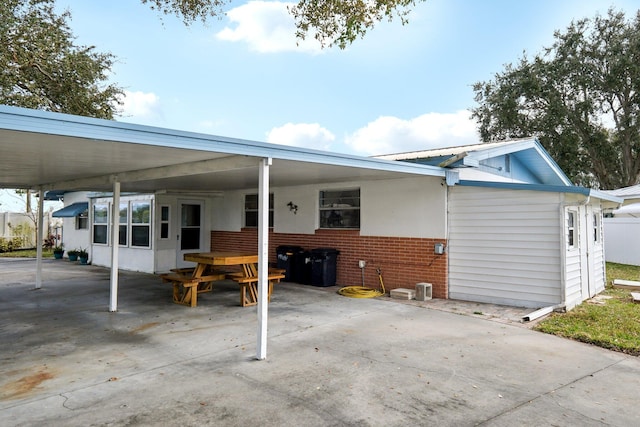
<point x="83" y="256"/>
<point x="73" y="254"/>
<point x="58" y="251"/>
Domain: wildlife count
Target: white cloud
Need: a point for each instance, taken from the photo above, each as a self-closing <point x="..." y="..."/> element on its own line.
<point x="387" y="134"/>
<point x="306" y="135"/>
<point x="141" y="107"/>
<point x="267" y="27"/>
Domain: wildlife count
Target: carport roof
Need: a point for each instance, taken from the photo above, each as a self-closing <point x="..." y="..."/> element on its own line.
<point x="54" y="151"/>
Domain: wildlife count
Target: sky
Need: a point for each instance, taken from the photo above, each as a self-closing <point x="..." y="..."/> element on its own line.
<point x="400" y="88"/>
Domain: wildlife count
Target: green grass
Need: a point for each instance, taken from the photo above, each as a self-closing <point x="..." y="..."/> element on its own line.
<point x="26" y="253"/>
<point x="614" y="325"/>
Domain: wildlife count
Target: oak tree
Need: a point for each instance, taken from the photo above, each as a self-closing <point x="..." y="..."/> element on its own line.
<point x="580" y="97"/>
<point x="331" y="22"/>
<point x="42" y="67"/>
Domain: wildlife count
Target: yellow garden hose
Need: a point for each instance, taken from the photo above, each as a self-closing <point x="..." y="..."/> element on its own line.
<point x="362" y="291"/>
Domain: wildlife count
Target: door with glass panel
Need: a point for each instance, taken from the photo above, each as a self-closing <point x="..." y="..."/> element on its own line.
<point x="190" y="230"/>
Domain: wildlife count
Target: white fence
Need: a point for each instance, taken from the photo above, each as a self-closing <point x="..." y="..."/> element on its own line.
<point x="622" y="240"/>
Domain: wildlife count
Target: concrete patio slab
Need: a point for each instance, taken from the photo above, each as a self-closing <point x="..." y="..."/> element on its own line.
<point x="331" y="360"/>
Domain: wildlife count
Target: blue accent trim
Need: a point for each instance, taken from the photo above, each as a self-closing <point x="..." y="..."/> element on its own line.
<point x="543" y="187"/>
<point x="71" y="210"/>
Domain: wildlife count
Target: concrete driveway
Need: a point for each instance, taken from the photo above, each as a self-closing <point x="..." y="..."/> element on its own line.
<point x="332" y="361"/>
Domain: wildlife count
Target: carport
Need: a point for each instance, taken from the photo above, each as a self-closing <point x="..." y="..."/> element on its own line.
<point x="46" y="151"/>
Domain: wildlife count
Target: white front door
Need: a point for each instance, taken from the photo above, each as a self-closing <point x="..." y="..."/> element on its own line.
<point x="190" y="230"/>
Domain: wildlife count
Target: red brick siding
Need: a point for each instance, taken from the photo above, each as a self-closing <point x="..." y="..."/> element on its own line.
<point x="403" y="261"/>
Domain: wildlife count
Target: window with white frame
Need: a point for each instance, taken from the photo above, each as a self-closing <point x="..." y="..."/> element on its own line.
<point x="165" y="219"/>
<point x="251" y="210"/>
<point x="340" y="208"/>
<point x="82" y="220"/>
<point x="596" y="228"/>
<point x="141" y="224"/>
<point x="100" y="223"/>
<point x="571" y="229"/>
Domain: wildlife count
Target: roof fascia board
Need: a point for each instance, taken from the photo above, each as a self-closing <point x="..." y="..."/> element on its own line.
<point x="45" y="122"/>
<point x="587" y="192"/>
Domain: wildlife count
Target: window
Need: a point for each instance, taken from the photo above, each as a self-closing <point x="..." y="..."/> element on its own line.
<point x="123" y="224"/>
<point x="100" y="223"/>
<point x="82" y="221"/>
<point x="596" y="228"/>
<point x="340" y="208"/>
<point x="571" y="229"/>
<point x="141" y="224"/>
<point x="190" y="226"/>
<point x="164" y="222"/>
<point x="251" y="210"/>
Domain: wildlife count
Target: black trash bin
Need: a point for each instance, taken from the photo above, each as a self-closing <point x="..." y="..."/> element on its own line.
<point x="288" y="258"/>
<point x="323" y="266"/>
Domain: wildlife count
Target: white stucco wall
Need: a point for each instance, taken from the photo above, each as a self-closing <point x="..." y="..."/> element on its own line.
<point x="75" y="238"/>
<point x="407" y="207"/>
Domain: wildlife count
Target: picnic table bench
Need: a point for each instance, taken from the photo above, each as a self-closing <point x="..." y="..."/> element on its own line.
<point x="189" y="282"/>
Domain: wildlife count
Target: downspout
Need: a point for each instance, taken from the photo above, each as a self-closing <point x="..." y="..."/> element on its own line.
<point x="563" y="266"/>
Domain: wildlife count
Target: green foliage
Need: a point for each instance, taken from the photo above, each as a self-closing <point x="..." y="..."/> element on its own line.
<point x="579" y="97"/>
<point x="340" y="22"/>
<point x="8" y="245"/>
<point x="331" y="22"/>
<point x="614" y="324"/>
<point x="44" y="69"/>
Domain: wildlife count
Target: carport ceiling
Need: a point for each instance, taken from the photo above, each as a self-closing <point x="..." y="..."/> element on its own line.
<point x="58" y="151"/>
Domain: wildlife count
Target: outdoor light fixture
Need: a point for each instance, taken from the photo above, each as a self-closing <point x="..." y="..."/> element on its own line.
<point x="293" y="208"/>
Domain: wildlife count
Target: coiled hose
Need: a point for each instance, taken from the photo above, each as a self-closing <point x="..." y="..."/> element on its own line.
<point x="362" y="291"/>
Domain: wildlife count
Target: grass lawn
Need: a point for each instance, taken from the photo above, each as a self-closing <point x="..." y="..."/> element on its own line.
<point x="614" y="324"/>
<point x="26" y="253"/>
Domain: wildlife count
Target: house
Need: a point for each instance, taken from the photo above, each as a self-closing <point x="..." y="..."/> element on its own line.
<point x="622" y="228"/>
<point x="513" y="228"/>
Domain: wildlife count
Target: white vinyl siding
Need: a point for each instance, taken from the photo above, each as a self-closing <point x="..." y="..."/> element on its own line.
<point x="504" y="246"/>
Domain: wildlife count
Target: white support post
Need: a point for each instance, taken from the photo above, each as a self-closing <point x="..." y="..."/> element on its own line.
<point x="39" y="239"/>
<point x="263" y="257"/>
<point x="115" y="237"/>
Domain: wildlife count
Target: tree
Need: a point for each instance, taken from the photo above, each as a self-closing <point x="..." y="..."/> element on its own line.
<point x="332" y="22"/>
<point x="43" y="69"/>
<point x="580" y="97"/>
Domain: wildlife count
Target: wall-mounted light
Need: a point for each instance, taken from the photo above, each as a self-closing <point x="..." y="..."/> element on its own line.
<point x="293" y="208"/>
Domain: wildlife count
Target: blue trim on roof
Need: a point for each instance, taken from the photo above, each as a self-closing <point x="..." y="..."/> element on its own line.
<point x="72" y="210"/>
<point x="542" y="187"/>
<point x="50" y="123"/>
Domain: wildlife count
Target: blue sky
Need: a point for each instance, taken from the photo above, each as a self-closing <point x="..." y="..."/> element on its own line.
<point x="401" y="88"/>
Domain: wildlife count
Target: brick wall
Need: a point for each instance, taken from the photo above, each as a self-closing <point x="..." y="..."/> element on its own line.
<point x="403" y="261"/>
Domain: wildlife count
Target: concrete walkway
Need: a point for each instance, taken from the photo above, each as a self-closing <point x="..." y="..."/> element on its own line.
<point x="332" y="361"/>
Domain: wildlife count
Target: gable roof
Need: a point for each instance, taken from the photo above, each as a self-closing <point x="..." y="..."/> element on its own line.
<point x="527" y="153"/>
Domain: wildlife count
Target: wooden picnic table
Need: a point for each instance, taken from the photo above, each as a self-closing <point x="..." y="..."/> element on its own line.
<point x="187" y="283"/>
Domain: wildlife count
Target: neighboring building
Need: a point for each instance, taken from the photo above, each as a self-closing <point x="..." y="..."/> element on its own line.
<point x="517" y="232"/>
<point x="622" y="228"/>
